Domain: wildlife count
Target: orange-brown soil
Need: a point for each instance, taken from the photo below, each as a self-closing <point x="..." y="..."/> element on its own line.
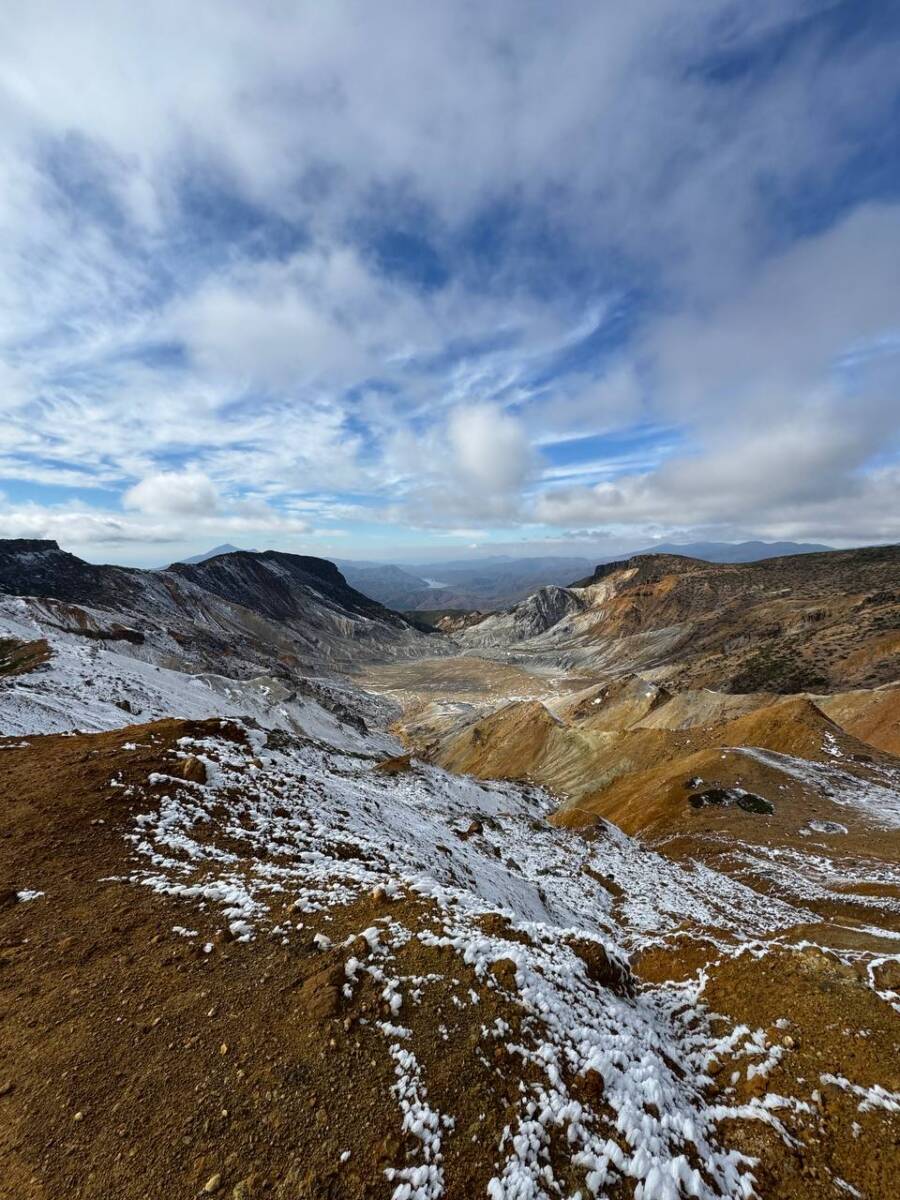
<point x="134" y="1063"/>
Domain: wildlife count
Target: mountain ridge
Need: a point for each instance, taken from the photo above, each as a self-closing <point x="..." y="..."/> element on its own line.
<point x="226" y="612"/>
<point x="812" y="621"/>
<point x="497" y="581"/>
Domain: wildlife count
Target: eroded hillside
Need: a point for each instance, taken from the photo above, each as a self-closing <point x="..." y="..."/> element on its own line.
<point x="235" y="613"/>
<point x="813" y="622"/>
<point x="251" y="948"/>
<point x="305" y="976"/>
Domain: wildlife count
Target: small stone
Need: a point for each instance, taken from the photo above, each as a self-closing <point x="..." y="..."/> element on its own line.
<point x="223" y="1049"/>
<point x="379" y="895"/>
<point x="396" y="765"/>
<point x="193" y="769"/>
<point x="212" y="1184"/>
<point x="601" y="968"/>
<point x="788" y="1042"/>
<point x="321" y="995"/>
<point x="79" y="1116"/>
<point x="887" y="975"/>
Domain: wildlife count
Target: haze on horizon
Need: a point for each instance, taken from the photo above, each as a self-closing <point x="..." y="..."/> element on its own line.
<point x="409" y="282"/>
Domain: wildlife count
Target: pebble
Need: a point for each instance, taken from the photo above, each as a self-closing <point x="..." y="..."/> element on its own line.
<point x="212" y="1184"/>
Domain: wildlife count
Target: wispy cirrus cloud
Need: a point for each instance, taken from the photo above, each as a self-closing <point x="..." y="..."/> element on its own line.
<point x="448" y="268"/>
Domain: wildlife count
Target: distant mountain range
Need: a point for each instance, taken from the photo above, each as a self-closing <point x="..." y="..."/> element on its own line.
<point x="488" y="584"/>
<point x="493" y="583"/>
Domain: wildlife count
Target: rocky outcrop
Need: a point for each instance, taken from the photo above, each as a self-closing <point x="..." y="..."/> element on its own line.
<point x="529" y="619"/>
<point x="278" y="585"/>
<point x="34" y="567"/>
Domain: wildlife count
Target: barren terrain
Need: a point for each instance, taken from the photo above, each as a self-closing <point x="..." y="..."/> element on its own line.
<point x="598" y="931"/>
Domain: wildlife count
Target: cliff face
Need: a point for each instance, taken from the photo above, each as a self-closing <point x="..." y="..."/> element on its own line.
<point x="33" y="567"/>
<point x="279" y="585"/>
<point x="529" y="619"/>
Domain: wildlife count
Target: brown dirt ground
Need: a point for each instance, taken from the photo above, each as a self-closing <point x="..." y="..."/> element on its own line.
<point x="132" y="1064"/>
<point x="17" y="657"/>
<point x="837" y="1026"/>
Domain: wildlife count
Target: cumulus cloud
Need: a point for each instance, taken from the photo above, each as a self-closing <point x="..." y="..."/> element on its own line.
<point x="789" y="390"/>
<point x="491" y="453"/>
<point x="174" y="493"/>
<point x="82" y="527"/>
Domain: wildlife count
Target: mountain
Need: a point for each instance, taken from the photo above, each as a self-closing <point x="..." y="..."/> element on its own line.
<point x="225" y="548"/>
<point x="733" y="552"/>
<point x="230" y="613"/>
<point x="806" y="622"/>
<point x="499" y="581"/>
<point x="484" y="584"/>
<point x="387" y="584"/>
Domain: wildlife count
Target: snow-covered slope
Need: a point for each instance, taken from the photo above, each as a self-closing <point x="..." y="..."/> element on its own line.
<point x="390" y="914"/>
<point x="235" y="613"/>
<point x="547" y="922"/>
<point x="103" y="682"/>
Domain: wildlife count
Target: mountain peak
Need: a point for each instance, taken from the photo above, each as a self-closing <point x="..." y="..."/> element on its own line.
<point x="225" y="548"/>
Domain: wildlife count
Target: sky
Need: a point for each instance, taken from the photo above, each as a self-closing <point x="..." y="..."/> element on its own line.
<point x="422" y="281"/>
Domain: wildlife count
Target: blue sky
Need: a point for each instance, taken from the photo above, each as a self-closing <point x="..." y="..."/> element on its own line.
<point x="412" y="281"/>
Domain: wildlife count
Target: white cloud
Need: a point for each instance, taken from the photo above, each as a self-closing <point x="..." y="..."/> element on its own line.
<point x="793" y="317"/>
<point x="490" y="451"/>
<point x="174" y="493"/>
<point x="310" y="370"/>
<point x="79" y="526"/>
